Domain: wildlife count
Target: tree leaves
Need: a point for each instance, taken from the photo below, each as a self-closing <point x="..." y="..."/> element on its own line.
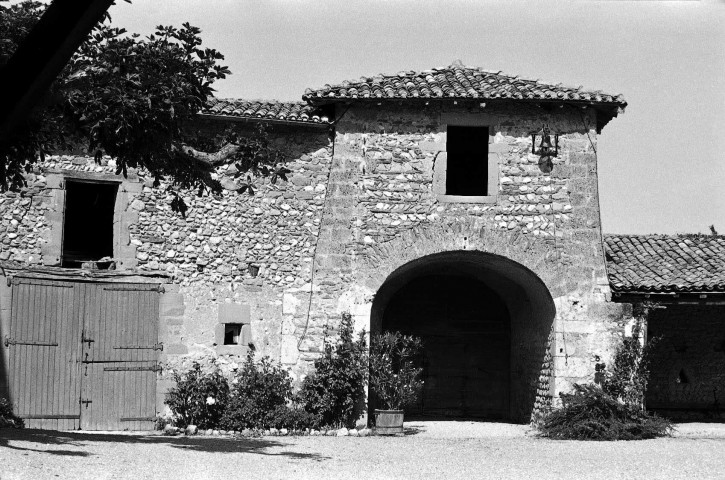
<point x="121" y="94"/>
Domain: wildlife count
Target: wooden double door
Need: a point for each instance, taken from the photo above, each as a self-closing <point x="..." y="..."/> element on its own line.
<point x="83" y="355"/>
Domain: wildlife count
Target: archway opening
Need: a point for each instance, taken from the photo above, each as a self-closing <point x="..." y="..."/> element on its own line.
<point x="484" y="320"/>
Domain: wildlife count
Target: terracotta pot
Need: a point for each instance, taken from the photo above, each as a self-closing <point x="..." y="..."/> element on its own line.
<point x="388" y="422"/>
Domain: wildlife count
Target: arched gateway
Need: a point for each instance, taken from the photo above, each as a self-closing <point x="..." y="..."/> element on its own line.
<point x="484" y="320"/>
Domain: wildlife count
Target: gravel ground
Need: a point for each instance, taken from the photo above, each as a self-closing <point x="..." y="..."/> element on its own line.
<point x="447" y="450"/>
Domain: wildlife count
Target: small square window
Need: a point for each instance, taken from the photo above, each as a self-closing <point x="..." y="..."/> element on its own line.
<point x="232" y="333"/>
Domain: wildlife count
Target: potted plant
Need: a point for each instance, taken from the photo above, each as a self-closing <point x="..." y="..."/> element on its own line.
<point x="394" y="377"/>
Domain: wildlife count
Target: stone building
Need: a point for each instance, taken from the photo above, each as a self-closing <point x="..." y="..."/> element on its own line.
<point x="416" y="203"/>
<point x="685" y="276"/>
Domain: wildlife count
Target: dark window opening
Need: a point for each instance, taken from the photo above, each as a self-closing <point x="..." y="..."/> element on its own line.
<point x="232" y="333"/>
<point x="682" y="377"/>
<point x="88" y="224"/>
<point x="467" y="164"/>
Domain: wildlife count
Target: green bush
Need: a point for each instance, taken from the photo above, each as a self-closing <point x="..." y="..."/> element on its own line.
<point x="7" y="417"/>
<point x="592" y="414"/>
<point x="394" y="374"/>
<point x="335" y="391"/>
<point x="259" y="389"/>
<point x="198" y="398"/>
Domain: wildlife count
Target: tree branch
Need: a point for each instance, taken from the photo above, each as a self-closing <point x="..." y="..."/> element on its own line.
<point x="213" y="159"/>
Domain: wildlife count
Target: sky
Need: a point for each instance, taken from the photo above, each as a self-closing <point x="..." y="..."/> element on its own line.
<point x="661" y="167"/>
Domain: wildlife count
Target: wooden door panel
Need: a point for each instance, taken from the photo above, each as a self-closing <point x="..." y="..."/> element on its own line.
<point x="44" y="353"/>
<point x="120" y="390"/>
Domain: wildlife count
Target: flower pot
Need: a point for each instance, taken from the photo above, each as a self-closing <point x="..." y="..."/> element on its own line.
<point x="388" y="422"/>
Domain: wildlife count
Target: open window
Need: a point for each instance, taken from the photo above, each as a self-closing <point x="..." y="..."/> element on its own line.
<point x="467" y="161"/>
<point x="88" y="223"/>
<point x="466" y="166"/>
<point x="232" y="333"/>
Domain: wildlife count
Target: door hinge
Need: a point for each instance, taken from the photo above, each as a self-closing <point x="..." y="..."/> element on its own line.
<point x="158" y="346"/>
<point x="11" y="341"/>
<point x="151" y="368"/>
<point x="138" y="419"/>
<point x="85" y="402"/>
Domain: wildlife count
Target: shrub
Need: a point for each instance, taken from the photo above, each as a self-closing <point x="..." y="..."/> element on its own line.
<point x="592" y="414"/>
<point x="293" y="418"/>
<point x="394" y="376"/>
<point x="630" y="372"/>
<point x="198" y="398"/>
<point x="7" y="417"/>
<point x="335" y="391"/>
<point x="615" y="410"/>
<point x="259" y="390"/>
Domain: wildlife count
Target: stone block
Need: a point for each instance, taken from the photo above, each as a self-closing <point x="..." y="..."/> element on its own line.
<point x="432" y="146"/>
<point x="288" y="327"/>
<point x="234" y="313"/>
<point x="53" y="181"/>
<point x="288" y="350"/>
<point x="246" y="336"/>
<point x="174" y="320"/>
<point x="171" y="305"/>
<point x="289" y="304"/>
<point x="237" y="350"/>
<point x="176" y="349"/>
<point x="498" y="148"/>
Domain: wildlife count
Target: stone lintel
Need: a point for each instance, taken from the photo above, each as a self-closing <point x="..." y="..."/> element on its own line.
<point x="234" y="313"/>
<point x="465" y="119"/>
<point x="466" y="199"/>
<point x="432" y="146"/>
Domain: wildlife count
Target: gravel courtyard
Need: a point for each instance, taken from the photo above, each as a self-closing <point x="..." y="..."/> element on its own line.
<point x="447" y="450"/>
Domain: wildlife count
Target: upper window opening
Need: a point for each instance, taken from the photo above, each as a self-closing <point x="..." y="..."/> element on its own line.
<point x="467" y="169"/>
<point x="88" y="224"/>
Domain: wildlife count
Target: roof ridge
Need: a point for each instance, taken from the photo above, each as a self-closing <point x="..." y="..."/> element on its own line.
<point x="256" y="100"/>
<point x="460" y="81"/>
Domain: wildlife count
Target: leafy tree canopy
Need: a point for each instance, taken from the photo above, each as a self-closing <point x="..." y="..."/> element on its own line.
<point x="129" y="97"/>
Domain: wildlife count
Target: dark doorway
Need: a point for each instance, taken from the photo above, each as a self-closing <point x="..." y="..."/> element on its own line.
<point x="88" y="223"/>
<point x="485" y="321"/>
<point x="465" y="328"/>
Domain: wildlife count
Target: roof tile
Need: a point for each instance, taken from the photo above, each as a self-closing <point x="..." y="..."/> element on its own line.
<point x="293" y="112"/>
<point x="666" y="263"/>
<point x="457" y="82"/>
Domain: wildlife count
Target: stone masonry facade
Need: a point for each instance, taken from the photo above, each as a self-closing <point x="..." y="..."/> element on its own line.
<point x="363" y="200"/>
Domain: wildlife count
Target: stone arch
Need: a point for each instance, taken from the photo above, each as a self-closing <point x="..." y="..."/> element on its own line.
<point x="524" y="313"/>
<point x="540" y="254"/>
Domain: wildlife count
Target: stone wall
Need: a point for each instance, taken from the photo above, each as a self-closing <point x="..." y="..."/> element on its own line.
<point x="383" y="213"/>
<point x="687" y="379"/>
<point x="230" y="258"/>
<point x="290" y="259"/>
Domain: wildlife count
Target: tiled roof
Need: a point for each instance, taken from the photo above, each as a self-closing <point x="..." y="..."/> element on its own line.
<point x="664" y="263"/>
<point x="293" y="112"/>
<point x="458" y="82"/>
